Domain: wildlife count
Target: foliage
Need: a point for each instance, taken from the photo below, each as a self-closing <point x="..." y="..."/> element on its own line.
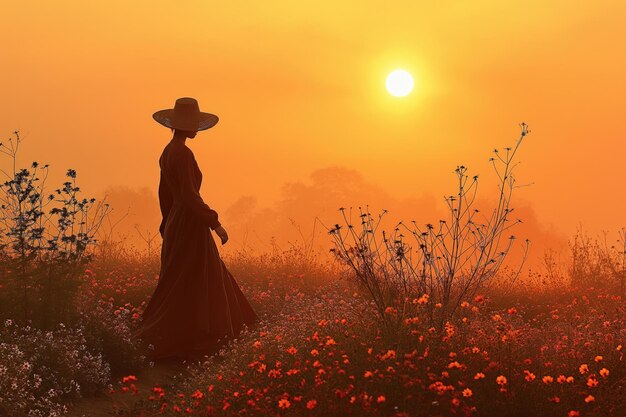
<point x="108" y="330"/>
<point x="43" y="241"/>
<point x="40" y="371"/>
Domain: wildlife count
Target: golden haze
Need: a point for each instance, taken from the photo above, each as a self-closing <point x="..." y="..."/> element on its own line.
<point x="299" y="88"/>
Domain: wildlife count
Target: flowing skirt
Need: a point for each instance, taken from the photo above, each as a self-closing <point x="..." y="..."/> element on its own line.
<point x="197" y="301"/>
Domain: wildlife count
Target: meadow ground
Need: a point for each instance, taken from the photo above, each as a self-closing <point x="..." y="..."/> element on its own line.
<point x="546" y="349"/>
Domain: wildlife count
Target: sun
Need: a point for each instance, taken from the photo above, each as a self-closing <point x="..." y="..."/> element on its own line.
<point x="399" y="83"/>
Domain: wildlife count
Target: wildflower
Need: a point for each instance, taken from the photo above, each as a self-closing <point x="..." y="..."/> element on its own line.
<point x="315" y="352"/>
<point x="274" y="373"/>
<point x="292" y="350"/>
<point x="479" y="375"/>
<point x="589" y="398"/>
<point x="454" y="364"/>
<point x="456" y="402"/>
<point x="569" y="379"/>
<point x="584" y="368"/>
<point x="311" y="404"/>
<point x="604" y="372"/>
<point x="380" y="399"/>
<point x="592" y="381"/>
<point x="465" y="304"/>
<point x="547" y="379"/>
<point x="529" y="376"/>
<point x="467" y="393"/>
<point x="390" y="354"/>
<point x="368" y="374"/>
<point x="449" y="329"/>
<point x="573" y="413"/>
<point x="160" y="391"/>
<point x="423" y="299"/>
<point x="256" y="344"/>
<point x="598" y="358"/>
<point x="501" y="380"/>
<point x="284" y="403"/>
<point x="390" y="310"/>
<point x="197" y="395"/>
<point x="497" y="317"/>
<point x="561" y="379"/>
<point x="128" y="378"/>
<point x="330" y="341"/>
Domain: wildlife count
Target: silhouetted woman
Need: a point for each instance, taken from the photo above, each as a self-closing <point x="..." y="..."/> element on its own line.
<point x="196" y="301"/>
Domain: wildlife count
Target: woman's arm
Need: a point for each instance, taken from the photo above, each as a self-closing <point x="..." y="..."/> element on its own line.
<point x="191" y="198"/>
<point x="165" y="202"/>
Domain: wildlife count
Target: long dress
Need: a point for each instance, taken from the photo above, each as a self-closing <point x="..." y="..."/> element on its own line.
<point x="196" y="302"/>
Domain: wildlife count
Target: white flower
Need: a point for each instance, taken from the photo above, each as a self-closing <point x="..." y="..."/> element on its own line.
<point x="8" y="322"/>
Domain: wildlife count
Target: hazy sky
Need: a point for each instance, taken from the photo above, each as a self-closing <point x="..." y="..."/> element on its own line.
<point x="299" y="86"/>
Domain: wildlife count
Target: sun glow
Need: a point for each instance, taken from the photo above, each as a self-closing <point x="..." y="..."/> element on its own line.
<point x="399" y="83"/>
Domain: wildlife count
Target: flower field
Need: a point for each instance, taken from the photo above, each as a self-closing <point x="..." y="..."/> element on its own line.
<point x="319" y="351"/>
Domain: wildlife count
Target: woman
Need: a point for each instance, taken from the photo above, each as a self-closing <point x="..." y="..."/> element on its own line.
<point x="197" y="304"/>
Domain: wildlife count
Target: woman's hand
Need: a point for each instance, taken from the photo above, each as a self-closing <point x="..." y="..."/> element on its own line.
<point x="221" y="232"/>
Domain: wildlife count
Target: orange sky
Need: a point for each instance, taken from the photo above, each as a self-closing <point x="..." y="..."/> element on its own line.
<point x="299" y="86"/>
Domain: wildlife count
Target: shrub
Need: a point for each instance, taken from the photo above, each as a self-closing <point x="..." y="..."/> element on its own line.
<point x="42" y="370"/>
<point x="108" y="330"/>
<point x="596" y="263"/>
<point x="449" y="262"/>
<point x="43" y="250"/>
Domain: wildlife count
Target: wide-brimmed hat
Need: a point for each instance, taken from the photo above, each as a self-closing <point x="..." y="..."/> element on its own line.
<point x="186" y="115"/>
